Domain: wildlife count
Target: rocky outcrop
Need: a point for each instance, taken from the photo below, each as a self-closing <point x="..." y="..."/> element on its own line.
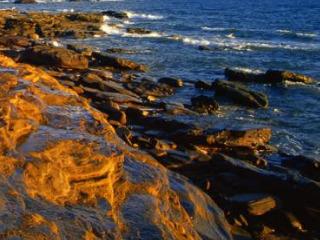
<point x="66" y="175"/>
<point x="271" y="76"/>
<point x="240" y="94"/>
<point x="54" y="57"/>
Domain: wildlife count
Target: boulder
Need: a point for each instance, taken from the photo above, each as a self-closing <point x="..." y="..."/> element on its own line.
<point x="255" y="203"/>
<point x="173" y="82"/>
<point x="145" y="87"/>
<point x="275" y="76"/>
<point x="243" y="76"/>
<point x="202" y="85"/>
<point x="117" y="63"/>
<point x="54" y="57"/>
<point x="240" y="94"/>
<point x="25" y="1"/>
<point x="138" y="31"/>
<point x="204" y="104"/>
<point x="115" y="14"/>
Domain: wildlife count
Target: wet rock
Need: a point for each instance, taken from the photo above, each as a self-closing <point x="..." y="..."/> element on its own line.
<point x="240" y="94"/>
<point x="68" y="175"/>
<point x="308" y="167"/>
<point x="146" y="88"/>
<point x="136" y="113"/>
<point x="117" y="63"/>
<point x="204" y="104"/>
<point x="176" y="108"/>
<point x="204" y="48"/>
<point x="82" y="49"/>
<point x="54" y="56"/>
<point x="275" y="76"/>
<point x="173" y="82"/>
<point x="256" y="203"/>
<point x="202" y="85"/>
<point x="25" y="1"/>
<point x="115" y="14"/>
<point x="243" y="76"/>
<point x="121" y="51"/>
<point x="138" y="31"/>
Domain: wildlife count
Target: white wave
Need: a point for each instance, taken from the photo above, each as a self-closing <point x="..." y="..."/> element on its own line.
<point x="148" y="35"/>
<point x="231" y="35"/>
<point x="215" y="29"/>
<point x="299" y="34"/>
<point x="249" y="70"/>
<point x="194" y="41"/>
<point x="111" y="29"/>
<point x="143" y="15"/>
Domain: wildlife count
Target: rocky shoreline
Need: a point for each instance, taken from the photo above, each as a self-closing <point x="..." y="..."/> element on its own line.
<point x="260" y="200"/>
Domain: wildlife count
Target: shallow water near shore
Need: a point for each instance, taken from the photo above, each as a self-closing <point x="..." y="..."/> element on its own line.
<point x="251" y="35"/>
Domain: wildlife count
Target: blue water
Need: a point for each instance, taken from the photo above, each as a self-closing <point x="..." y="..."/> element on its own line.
<point x="249" y="34"/>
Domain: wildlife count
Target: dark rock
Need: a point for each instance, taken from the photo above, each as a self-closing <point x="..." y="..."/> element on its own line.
<point x="118" y="63"/>
<point x="121" y="51"/>
<point x="173" y="82"/>
<point x="115" y="14"/>
<point x="146" y="88"/>
<point x="82" y="49"/>
<point x="274" y="76"/>
<point x="25" y="1"/>
<point x="308" y="167"/>
<point x="204" y="104"/>
<point x="240" y="94"/>
<point x="204" y="48"/>
<point x="138" y="31"/>
<point x="176" y="109"/>
<point x="136" y="113"/>
<point x="54" y="57"/>
<point x="202" y="85"/>
<point x="242" y="76"/>
<point x="255" y="203"/>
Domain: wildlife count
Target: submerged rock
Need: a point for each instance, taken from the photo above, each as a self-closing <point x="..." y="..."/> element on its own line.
<point x="65" y="174"/>
<point x="240" y="94"/>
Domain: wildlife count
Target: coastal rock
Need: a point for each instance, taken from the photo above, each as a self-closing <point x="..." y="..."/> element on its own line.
<point x="145" y="87"/>
<point x="240" y="94"/>
<point x="54" y="57"/>
<point x="25" y="1"/>
<point x="256" y="203"/>
<point x="202" y="85"/>
<point x="65" y="173"/>
<point x="115" y="14"/>
<point x="138" y="31"/>
<point x="275" y="76"/>
<point x="117" y="63"/>
<point x="271" y="76"/>
<point x="204" y="104"/>
<point x="243" y="76"/>
<point x="173" y="82"/>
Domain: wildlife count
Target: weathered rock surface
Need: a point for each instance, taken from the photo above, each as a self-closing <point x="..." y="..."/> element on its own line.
<point x="66" y="175"/>
<point x="240" y="94"/>
<point x="55" y="56"/>
<point x="283" y="76"/>
<point x="118" y="63"/>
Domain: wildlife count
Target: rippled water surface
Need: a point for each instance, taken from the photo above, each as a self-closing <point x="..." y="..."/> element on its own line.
<point x="252" y="35"/>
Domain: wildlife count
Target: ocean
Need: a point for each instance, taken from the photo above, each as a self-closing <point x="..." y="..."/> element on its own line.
<point x="251" y="35"/>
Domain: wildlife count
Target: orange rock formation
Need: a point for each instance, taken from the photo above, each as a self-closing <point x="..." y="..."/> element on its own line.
<point x="64" y="173"/>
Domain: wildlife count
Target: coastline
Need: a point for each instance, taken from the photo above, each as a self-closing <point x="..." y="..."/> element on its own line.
<point x="260" y="200"/>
